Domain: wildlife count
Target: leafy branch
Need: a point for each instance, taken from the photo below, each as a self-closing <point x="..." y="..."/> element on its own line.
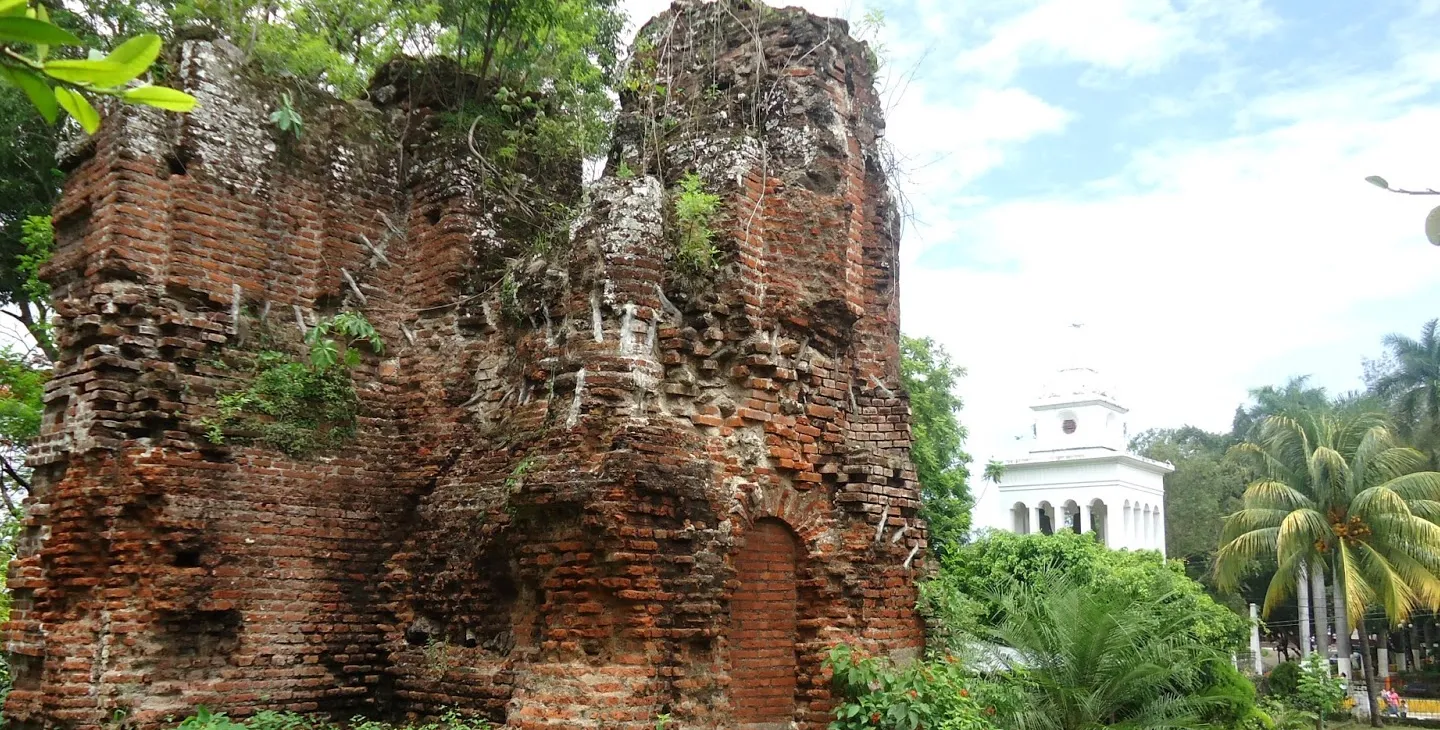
<point x="68" y="83"/>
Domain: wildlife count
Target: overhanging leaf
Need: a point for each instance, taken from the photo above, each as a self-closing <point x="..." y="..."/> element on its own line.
<point x="136" y="54"/>
<point x="79" y="108"/>
<point x="20" y="29"/>
<point x="101" y="74"/>
<point x="1432" y="226"/>
<point x="161" y="98"/>
<point x="1378" y="181"/>
<point x="35" y="88"/>
<point x="39" y="13"/>
<point x="13" y="7"/>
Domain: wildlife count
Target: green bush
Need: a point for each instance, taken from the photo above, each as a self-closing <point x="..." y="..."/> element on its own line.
<point x="874" y="694"/>
<point x="985" y="569"/>
<point x="1317" y="691"/>
<point x="204" y="719"/>
<point x="1283" y="680"/>
<point x="1236" y="707"/>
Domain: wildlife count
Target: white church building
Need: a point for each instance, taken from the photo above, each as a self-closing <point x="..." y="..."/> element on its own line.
<point x="1078" y="474"/>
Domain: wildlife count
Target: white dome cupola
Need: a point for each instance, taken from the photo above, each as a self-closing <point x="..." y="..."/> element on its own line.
<point x="1078" y="474"/>
<point x="1077" y="408"/>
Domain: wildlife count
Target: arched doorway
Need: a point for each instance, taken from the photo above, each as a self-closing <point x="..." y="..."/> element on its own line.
<point x="763" y="613"/>
<point x="1020" y="519"/>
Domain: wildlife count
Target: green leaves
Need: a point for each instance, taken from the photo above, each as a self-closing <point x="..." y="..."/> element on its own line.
<point x="874" y="693"/>
<point x="1378" y="182"/>
<point x="285" y="118"/>
<point x="35" y="88"/>
<point x="79" y="108"/>
<point x="123" y="65"/>
<point x="694" y="207"/>
<point x="17" y="29"/>
<point x="160" y="97"/>
<point x="938" y="437"/>
<point x="70" y="80"/>
<point x="1432" y="226"/>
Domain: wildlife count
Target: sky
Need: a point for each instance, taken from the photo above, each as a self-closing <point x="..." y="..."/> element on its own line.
<point x="1183" y="177"/>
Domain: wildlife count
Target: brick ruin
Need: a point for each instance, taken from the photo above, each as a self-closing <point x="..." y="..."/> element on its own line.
<point x="601" y="491"/>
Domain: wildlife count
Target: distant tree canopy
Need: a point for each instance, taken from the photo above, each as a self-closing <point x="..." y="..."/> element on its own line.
<point x="1204" y="487"/>
<point x="938" y="439"/>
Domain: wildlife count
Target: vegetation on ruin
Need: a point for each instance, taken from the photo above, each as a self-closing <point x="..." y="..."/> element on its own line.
<point x="205" y="719"/>
<point x="695" y="208"/>
<point x="300" y="406"/>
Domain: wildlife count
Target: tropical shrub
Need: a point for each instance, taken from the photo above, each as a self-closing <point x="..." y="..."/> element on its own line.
<point x="875" y="694"/>
<point x="1238" y="708"/>
<point x="1317" y="691"/>
<point x="967" y="593"/>
<point x="1283" y="680"/>
<point x="1096" y="658"/>
<point x="205" y="719"/>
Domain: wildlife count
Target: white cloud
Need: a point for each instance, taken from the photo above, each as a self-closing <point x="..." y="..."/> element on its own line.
<point x="1223" y="261"/>
<point x="955" y="137"/>
<point x="1128" y="36"/>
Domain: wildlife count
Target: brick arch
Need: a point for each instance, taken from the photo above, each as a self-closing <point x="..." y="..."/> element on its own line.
<point x="764" y="618"/>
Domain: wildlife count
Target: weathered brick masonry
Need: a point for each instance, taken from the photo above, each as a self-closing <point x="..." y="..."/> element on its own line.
<point x="583" y="493"/>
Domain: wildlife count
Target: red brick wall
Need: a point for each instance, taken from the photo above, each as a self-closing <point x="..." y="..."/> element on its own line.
<point x="545" y="514"/>
<point x="764" y="611"/>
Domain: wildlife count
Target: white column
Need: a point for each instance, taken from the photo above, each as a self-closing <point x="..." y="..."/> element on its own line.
<point x="1086" y="521"/>
<point x="1302" y="587"/>
<point x="1035" y="525"/>
<point x="1383" y="661"/>
<point x="1401" y="661"/>
<point x="1255" y="638"/>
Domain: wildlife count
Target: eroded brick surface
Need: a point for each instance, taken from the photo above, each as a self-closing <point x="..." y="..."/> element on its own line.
<point x="562" y="491"/>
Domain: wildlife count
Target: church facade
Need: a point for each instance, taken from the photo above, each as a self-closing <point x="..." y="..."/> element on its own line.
<point x="1078" y="474"/>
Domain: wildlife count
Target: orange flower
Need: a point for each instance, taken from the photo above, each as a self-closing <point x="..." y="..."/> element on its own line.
<point x="964" y="692"/>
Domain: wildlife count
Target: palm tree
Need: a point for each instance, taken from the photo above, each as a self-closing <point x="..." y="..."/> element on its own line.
<point x="994" y="469"/>
<point x="1098" y="659"/>
<point x="1412" y="384"/>
<point x="1336" y="491"/>
<point x="1295" y="396"/>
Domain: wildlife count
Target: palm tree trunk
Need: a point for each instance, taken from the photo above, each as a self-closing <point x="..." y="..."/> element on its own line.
<point x="1367" y="664"/>
<point x="1342" y="627"/>
<point x="1317" y="604"/>
<point x="1302" y="588"/>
